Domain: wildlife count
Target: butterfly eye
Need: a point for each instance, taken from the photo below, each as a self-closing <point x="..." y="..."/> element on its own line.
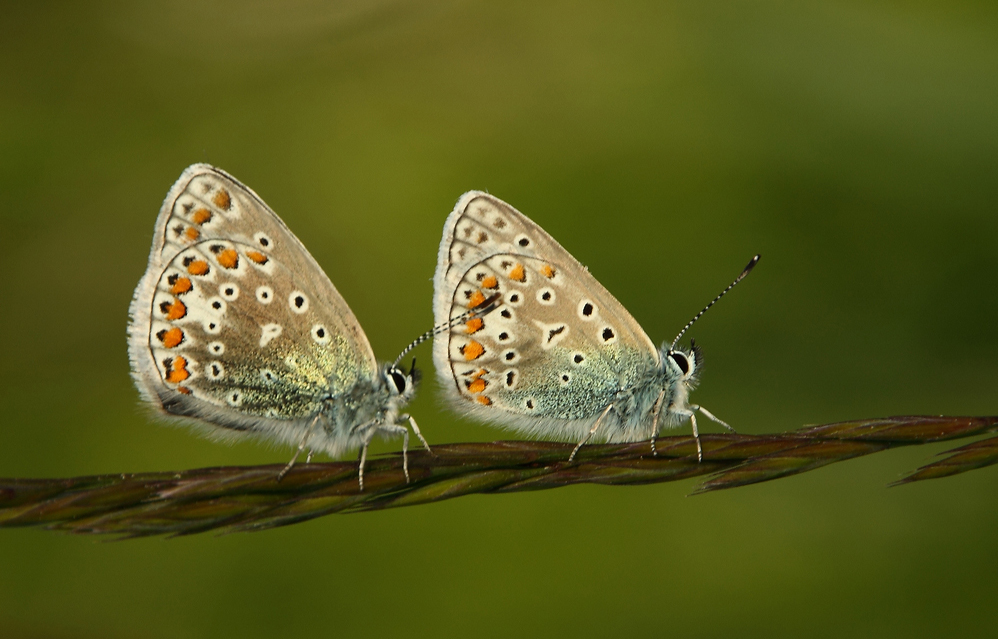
<point x="398" y="379"/>
<point x="681" y="362"/>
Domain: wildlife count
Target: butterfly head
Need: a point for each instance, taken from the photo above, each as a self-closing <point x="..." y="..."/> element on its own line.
<point x="401" y="384"/>
<point x="685" y="364"/>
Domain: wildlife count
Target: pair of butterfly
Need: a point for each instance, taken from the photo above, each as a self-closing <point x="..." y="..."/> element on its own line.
<point x="235" y="328"/>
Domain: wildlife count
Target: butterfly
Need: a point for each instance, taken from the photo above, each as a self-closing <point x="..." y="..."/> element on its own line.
<point x="236" y="329"/>
<point x="557" y="356"/>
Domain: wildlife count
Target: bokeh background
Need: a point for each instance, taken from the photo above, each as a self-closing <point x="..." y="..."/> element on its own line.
<point x="853" y="143"/>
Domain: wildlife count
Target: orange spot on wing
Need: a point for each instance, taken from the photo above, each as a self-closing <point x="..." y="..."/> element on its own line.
<point x="547" y="271"/>
<point x="474" y="325"/>
<point x="178" y="371"/>
<point x="222" y="199"/>
<point x="473" y="350"/>
<point x="176" y="310"/>
<point x="477" y="386"/>
<point x="181" y="286"/>
<point x="201" y="216"/>
<point x="192" y="233"/>
<point x="476" y="299"/>
<point x="484" y="401"/>
<point x="171" y="337"/>
<point x="490" y="282"/>
<point x="257" y="257"/>
<point x="518" y="273"/>
<point x="197" y="267"/>
<point x="228" y="258"/>
<point x="184" y="390"/>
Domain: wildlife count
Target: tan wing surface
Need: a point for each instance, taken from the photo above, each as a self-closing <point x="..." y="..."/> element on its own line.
<point x="558" y="347"/>
<point x="233" y="318"/>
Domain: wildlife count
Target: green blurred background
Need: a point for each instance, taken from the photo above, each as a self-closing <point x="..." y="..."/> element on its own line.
<point x="853" y="144"/>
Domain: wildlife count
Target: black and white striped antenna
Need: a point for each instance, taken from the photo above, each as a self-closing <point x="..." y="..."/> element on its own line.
<point x="746" y="271"/>
<point x="484" y="308"/>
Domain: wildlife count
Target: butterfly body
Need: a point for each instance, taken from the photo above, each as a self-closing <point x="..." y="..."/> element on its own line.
<point x="560" y="357"/>
<point x="237" y="330"/>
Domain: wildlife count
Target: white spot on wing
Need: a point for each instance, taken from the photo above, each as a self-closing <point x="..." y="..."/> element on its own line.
<point x="552" y="334"/>
<point x="587" y="310"/>
<point x="510" y="377"/>
<point x="510" y="356"/>
<point x="264" y="294"/>
<point x="263" y="240"/>
<point x="320" y="334"/>
<point x="607" y="335"/>
<point x="229" y="292"/>
<point x="298" y="302"/>
<point x="214" y="370"/>
<point x="269" y="332"/>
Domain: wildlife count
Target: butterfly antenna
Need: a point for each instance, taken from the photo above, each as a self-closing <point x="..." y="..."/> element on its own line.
<point x="484" y="308"/>
<point x="746" y="271"/>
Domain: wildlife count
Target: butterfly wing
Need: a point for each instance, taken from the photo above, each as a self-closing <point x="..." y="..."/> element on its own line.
<point x="234" y="323"/>
<point x="557" y="349"/>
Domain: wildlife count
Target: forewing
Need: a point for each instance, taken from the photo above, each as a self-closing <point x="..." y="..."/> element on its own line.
<point x="558" y="347"/>
<point x="234" y="322"/>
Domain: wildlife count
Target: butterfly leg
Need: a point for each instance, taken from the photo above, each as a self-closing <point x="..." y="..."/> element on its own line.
<point x="415" y="429"/>
<point x="405" y="452"/>
<point x="654" y="422"/>
<point x="712" y="417"/>
<point x="696" y="436"/>
<point x="395" y="429"/>
<point x="592" y="431"/>
<point x="360" y="465"/>
<point x="301" y="447"/>
<point x="366" y="431"/>
<point x="693" y="421"/>
<point x="368" y="436"/>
